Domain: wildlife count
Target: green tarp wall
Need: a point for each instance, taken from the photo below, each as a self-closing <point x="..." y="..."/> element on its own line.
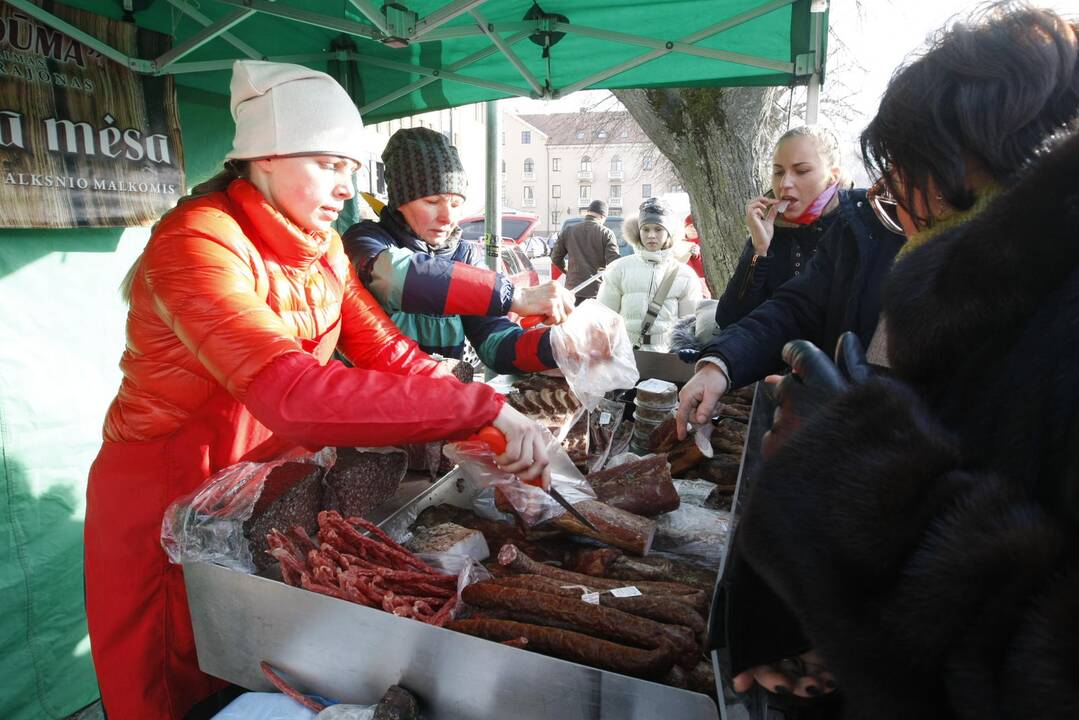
<point x="61" y="335"/>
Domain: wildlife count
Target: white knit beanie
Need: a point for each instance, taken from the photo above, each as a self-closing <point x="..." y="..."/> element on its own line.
<point x="285" y="109"/>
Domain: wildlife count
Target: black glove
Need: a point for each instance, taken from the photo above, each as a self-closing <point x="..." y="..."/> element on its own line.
<point x="812" y="383"/>
<point x="850" y="359"/>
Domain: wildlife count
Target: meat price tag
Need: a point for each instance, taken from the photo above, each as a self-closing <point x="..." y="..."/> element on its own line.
<point x="628" y="591"/>
<point x="604" y="418"/>
<point x="591" y="598"/>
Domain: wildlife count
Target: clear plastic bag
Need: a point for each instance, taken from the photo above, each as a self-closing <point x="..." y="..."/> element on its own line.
<point x="532" y="504"/>
<point x="603" y="422"/>
<point x="693" y="531"/>
<point x="594" y="353"/>
<point x="207" y="525"/>
<point x="466" y="569"/>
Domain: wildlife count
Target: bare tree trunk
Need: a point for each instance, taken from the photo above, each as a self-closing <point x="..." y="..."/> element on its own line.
<point x="717" y="139"/>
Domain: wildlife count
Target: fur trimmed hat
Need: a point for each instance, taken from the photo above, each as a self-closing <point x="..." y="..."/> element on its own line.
<point x="282" y="109"/>
<point x="421" y="162"/>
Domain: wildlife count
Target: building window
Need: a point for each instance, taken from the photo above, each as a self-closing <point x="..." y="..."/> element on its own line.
<point x="556" y="191"/>
<point x="529" y="168"/>
<point x="554" y="217"/>
<point x="526" y="137"/>
<point x="646" y="190"/>
<point x="601" y="134"/>
<point x="503" y="166"/>
<point x="677" y="188"/>
<point x="586" y="164"/>
<point x="586" y="193"/>
<point x="625" y="132"/>
<point x="529" y="196"/>
<point x="616" y="194"/>
<point x="648" y="163"/>
<point x="580" y="134"/>
<point x="616" y="167"/>
<point x="556" y="164"/>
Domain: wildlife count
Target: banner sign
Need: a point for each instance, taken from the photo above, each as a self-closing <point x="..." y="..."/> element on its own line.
<point x="84" y="141"/>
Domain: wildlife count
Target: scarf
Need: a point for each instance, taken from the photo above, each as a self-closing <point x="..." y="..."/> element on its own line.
<point x="817" y="207"/>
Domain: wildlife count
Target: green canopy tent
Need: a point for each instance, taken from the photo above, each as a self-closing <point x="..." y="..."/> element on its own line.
<point x="420" y="55"/>
<point x="58" y="361"/>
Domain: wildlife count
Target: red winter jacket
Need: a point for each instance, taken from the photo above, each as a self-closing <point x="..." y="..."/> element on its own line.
<point x="227" y="288"/>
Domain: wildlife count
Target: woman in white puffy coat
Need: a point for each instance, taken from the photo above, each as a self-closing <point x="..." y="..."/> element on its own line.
<point x="630" y="283"/>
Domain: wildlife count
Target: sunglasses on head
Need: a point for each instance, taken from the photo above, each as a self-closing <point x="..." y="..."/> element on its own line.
<point x="885" y="206"/>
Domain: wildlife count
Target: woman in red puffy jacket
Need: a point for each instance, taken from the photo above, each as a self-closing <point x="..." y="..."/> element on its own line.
<point x="236" y="305"/>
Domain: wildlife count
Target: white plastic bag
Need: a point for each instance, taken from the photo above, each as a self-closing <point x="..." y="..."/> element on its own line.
<point x="593" y="351"/>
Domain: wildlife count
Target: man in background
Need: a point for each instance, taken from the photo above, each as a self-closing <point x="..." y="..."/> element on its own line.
<point x="584" y="249"/>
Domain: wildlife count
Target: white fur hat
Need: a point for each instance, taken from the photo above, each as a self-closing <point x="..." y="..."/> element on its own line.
<point x="285" y="109"/>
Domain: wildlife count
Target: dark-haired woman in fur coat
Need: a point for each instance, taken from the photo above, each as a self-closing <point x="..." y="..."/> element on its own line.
<point x="923" y="527"/>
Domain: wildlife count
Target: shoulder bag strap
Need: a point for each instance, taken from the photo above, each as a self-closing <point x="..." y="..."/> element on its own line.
<point x="656" y="304"/>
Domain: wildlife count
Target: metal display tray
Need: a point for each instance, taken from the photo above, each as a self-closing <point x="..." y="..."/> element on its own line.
<point x="353" y="653"/>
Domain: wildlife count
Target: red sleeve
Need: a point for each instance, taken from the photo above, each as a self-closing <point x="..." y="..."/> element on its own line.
<point x="369" y="338"/>
<point x="315" y="405"/>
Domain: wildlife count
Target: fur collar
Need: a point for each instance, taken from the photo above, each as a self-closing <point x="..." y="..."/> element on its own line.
<point x="976" y="285"/>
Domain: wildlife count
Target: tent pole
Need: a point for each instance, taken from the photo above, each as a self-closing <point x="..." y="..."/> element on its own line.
<point x="507" y="51"/>
<point x="493" y="209"/>
<point x="227" y="37"/>
<point x="137" y="64"/>
<point x="208" y="33"/>
<point x="401" y="92"/>
<point x="812" y="99"/>
<point x="813" y="89"/>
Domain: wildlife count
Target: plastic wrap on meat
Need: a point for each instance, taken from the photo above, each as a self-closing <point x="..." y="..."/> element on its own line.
<point x="643" y="487"/>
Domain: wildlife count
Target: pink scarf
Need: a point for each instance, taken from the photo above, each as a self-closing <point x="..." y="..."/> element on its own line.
<point x="817" y="206"/>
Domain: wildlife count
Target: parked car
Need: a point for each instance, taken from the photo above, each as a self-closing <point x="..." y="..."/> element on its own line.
<point x="517" y="228"/>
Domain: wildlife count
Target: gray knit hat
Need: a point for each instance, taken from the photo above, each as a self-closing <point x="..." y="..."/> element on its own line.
<point x="654" y="211"/>
<point x="421" y="162"/>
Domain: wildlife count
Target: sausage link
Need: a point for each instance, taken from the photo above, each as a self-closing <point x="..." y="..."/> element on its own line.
<point x="574" y="646"/>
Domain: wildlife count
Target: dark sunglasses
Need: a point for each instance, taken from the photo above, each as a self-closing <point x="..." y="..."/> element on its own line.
<point x="885" y="206"/>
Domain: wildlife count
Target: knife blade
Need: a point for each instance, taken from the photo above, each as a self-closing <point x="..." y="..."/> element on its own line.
<point x="531" y="321"/>
<point x="496" y="441"/>
<point x="576" y="289"/>
<point x="561" y="500"/>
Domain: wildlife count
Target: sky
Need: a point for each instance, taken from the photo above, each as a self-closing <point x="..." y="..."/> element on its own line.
<point x="869" y="40"/>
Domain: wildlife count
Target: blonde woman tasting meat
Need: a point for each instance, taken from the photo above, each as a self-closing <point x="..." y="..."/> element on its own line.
<point x="786" y="225"/>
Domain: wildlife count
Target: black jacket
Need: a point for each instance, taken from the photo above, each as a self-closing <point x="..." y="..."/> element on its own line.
<point x="839" y="291"/>
<point x="789" y="253"/>
<point x="925" y="531"/>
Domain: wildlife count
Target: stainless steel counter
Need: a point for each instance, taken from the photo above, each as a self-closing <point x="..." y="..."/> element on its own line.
<point x="353" y="653"/>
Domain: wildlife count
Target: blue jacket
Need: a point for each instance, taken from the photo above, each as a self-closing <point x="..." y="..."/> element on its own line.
<point x="839" y="291"/>
<point x="440" y="296"/>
